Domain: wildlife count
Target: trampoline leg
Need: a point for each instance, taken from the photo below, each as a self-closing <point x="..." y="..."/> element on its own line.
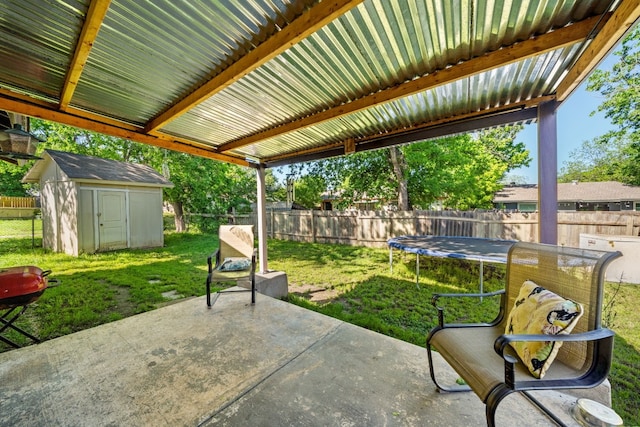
<point x="481" y="278"/>
<point x="418" y="271"/>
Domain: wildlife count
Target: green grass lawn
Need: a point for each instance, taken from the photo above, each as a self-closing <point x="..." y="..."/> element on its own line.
<point x="100" y="288"/>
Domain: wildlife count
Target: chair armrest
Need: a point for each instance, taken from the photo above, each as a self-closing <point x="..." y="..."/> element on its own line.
<point x="436" y="297"/>
<point x="214" y="257"/>
<point x="598" y="371"/>
<point x="597" y="334"/>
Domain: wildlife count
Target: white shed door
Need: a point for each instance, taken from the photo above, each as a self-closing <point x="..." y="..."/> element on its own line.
<point x="112" y="220"/>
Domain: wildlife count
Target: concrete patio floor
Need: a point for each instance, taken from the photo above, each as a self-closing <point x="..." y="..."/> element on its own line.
<point x="270" y="364"/>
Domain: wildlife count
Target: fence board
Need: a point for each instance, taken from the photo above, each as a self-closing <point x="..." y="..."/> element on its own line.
<point x="17" y="207"/>
<point x="374" y="228"/>
<point x="17" y="202"/>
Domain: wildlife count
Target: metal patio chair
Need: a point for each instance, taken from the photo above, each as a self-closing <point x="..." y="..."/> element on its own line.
<point x="482" y="355"/>
<point x="235" y="259"/>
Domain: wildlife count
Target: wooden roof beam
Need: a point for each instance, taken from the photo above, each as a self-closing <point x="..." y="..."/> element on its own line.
<point x="283" y="159"/>
<point x="93" y="22"/>
<point x="50" y="113"/>
<point x="532" y="47"/>
<point x="309" y="22"/>
<point x="623" y="18"/>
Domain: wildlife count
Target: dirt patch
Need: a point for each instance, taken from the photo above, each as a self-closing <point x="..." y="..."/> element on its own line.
<point x="313" y="293"/>
<point x="123" y="304"/>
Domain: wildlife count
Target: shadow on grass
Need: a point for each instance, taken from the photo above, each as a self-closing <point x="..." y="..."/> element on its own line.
<point x="100" y="288"/>
<point x="625" y="381"/>
<point x="399" y="308"/>
<point x="322" y="254"/>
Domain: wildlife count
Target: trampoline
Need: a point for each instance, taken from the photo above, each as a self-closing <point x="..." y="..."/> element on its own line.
<point x="469" y="248"/>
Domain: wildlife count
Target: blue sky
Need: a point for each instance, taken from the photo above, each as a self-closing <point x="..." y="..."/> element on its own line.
<point x="575" y="125"/>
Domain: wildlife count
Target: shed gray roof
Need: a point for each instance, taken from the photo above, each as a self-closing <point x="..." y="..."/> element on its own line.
<point x="79" y="167"/>
<point x="606" y="191"/>
<point x="276" y="82"/>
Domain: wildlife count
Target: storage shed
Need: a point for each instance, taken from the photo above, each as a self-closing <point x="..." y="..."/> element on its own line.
<point x="90" y="204"/>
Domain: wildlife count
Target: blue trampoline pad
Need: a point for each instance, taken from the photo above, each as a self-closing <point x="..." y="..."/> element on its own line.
<point x="471" y="248"/>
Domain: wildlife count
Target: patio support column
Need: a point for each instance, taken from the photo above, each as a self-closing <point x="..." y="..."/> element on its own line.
<point x="262" y="219"/>
<point x="547" y="173"/>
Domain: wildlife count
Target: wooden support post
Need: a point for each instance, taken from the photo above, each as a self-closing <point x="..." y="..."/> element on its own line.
<point x="262" y="219"/>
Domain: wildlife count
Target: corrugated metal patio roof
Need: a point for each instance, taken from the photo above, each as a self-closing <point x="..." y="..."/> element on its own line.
<point x="281" y="81"/>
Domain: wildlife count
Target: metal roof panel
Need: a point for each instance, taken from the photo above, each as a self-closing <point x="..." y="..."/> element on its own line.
<point x="150" y="55"/>
<point x="38" y="39"/>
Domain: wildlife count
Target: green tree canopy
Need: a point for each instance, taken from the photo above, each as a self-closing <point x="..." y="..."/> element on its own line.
<point x="201" y="186"/>
<point x="616" y="154"/>
<point x="600" y="159"/>
<point x="10" y="176"/>
<point x="462" y="171"/>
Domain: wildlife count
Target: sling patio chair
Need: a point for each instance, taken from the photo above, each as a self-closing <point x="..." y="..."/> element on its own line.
<point x="547" y="335"/>
<point x="235" y="259"/>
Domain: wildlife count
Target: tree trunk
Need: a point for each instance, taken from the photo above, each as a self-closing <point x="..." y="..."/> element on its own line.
<point x="399" y="166"/>
<point x="178" y="217"/>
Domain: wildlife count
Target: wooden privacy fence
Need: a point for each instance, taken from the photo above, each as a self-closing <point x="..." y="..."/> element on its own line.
<point x="373" y="229"/>
<point x="17" y="202"/>
<point x="17" y="207"/>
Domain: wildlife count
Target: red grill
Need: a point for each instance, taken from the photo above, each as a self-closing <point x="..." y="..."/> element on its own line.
<point x="19" y="287"/>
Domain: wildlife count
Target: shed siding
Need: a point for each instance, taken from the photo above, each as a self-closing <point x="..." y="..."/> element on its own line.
<point x="67" y="212"/>
<point x="145" y="218"/>
<point x="86" y="222"/>
<point x="49" y="216"/>
<point x="59" y="211"/>
<point x="48" y="208"/>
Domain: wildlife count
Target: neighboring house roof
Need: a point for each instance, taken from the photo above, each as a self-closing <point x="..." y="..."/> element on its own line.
<point x="78" y="167"/>
<point x="572" y="192"/>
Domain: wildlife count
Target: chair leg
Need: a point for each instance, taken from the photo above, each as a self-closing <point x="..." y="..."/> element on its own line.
<point x="208" y="286"/>
<point x="9" y="342"/>
<point x="493" y="400"/>
<point x="210" y="302"/>
<point x="433" y="375"/>
<point x="502" y="391"/>
<point x="544" y="409"/>
<point x="253" y="289"/>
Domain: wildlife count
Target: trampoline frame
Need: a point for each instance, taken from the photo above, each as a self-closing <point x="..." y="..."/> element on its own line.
<point x="498" y="254"/>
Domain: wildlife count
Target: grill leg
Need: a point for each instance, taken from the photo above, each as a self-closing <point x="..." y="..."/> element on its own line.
<point x="9" y="324"/>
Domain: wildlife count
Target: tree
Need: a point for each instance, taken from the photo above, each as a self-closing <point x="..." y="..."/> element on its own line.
<point x="10" y="176"/>
<point x="201" y="186"/>
<point x="620" y="87"/>
<point x="275" y="191"/>
<point x="464" y="171"/>
<point x="79" y="141"/>
<point x="461" y="171"/>
<point x="308" y="191"/>
<point x="600" y="159"/>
